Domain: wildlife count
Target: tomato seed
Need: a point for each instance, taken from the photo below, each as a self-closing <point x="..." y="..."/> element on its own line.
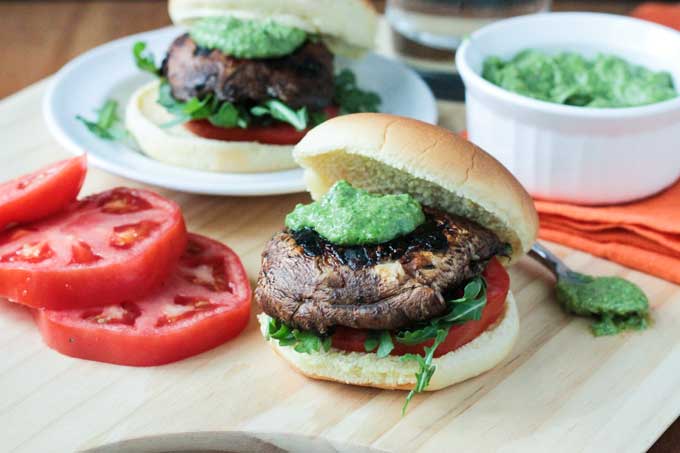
<point x="123" y="202"/>
<point x="125" y="236"/>
<point x="35" y="252"/>
<point x="81" y="253"/>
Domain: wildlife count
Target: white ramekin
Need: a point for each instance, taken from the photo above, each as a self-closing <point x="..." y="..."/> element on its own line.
<point x="576" y="154"/>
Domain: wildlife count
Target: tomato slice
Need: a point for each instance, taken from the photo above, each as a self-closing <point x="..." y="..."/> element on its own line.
<point x="205" y="302"/>
<point x="498" y="285"/>
<point x="274" y="134"/>
<point x="108" y="247"/>
<point x="43" y="193"/>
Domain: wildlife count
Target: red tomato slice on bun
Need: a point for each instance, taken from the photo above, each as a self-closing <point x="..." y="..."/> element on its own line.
<point x="38" y="195"/>
<point x="274" y="134"/>
<point x="205" y="302"/>
<point x="108" y="247"/>
<point x="497" y="287"/>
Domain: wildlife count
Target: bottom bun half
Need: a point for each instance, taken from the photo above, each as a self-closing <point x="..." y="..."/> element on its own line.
<point x="366" y="369"/>
<point x="177" y="146"/>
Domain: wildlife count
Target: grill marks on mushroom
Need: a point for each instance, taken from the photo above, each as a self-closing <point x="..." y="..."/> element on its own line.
<point x="301" y="79"/>
<point x="314" y="285"/>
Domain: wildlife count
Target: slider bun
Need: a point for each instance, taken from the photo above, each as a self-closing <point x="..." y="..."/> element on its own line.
<point x="177" y="146"/>
<point x="347" y="26"/>
<point x="390" y="154"/>
<point x="366" y="369"/>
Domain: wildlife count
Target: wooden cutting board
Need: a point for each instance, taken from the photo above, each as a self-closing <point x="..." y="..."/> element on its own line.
<point x="559" y="390"/>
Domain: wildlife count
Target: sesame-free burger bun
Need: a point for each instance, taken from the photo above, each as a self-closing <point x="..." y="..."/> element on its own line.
<point x="366" y="369"/>
<point x="390" y="154"/>
<point x="178" y="146"/>
<point x="347" y="26"/>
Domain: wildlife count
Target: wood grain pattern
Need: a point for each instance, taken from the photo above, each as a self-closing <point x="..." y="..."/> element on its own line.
<point x="559" y="390"/>
<point x="40" y="36"/>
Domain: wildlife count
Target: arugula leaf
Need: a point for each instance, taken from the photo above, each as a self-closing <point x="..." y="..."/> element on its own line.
<point x="380" y="340"/>
<point x="316" y="118"/>
<point x="299" y="119"/>
<point x="309" y="342"/>
<point x="386" y="344"/>
<point x="145" y="61"/>
<point x="277" y="330"/>
<point x="469" y="307"/>
<point x="414" y="337"/>
<point x="350" y="97"/>
<point x="172" y="105"/>
<point x="95" y="128"/>
<point x="193" y="109"/>
<point x="426" y="371"/>
<point x="165" y="97"/>
<point x="372" y="342"/>
<point x="222" y="114"/>
<point x="301" y="340"/>
<point x="107" y="114"/>
<point x="108" y="125"/>
<point x="466" y="311"/>
<point x="197" y="108"/>
<point x="227" y="115"/>
<point x="471" y="290"/>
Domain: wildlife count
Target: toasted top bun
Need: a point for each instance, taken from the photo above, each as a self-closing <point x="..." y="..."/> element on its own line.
<point x="390" y="154"/>
<point x="348" y="26"/>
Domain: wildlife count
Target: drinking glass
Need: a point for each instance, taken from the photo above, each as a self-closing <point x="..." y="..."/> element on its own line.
<point x="443" y="24"/>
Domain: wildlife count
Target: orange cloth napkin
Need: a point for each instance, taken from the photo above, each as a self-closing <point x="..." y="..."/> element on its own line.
<point x="662" y="13"/>
<point x="643" y="235"/>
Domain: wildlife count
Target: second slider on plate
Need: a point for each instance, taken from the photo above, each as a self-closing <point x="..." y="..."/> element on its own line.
<point x="247" y="80"/>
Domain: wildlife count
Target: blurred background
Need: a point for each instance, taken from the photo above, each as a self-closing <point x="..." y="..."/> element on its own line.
<point x="40" y="36"/>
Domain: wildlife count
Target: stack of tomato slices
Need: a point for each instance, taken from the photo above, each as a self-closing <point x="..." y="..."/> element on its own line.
<point x="115" y="277"/>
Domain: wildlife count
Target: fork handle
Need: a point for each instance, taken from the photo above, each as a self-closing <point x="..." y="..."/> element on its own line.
<point x="549" y="260"/>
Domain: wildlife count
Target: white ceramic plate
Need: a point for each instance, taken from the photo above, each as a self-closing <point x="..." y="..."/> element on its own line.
<point x="108" y="71"/>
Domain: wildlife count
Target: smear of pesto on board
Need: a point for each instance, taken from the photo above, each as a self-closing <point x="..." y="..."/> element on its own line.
<point x="615" y="304"/>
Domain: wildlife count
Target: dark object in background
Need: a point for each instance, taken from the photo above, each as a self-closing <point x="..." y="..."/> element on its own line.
<point x="445" y="86"/>
<point x="443" y="24"/>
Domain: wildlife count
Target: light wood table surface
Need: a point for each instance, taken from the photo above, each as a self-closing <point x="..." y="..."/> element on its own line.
<point x="40" y="36"/>
<point x="559" y="390"/>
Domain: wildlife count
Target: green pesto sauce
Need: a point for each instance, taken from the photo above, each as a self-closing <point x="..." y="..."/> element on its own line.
<point x="247" y="38"/>
<point x="570" y="79"/>
<point x="616" y="304"/>
<point x="349" y="216"/>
